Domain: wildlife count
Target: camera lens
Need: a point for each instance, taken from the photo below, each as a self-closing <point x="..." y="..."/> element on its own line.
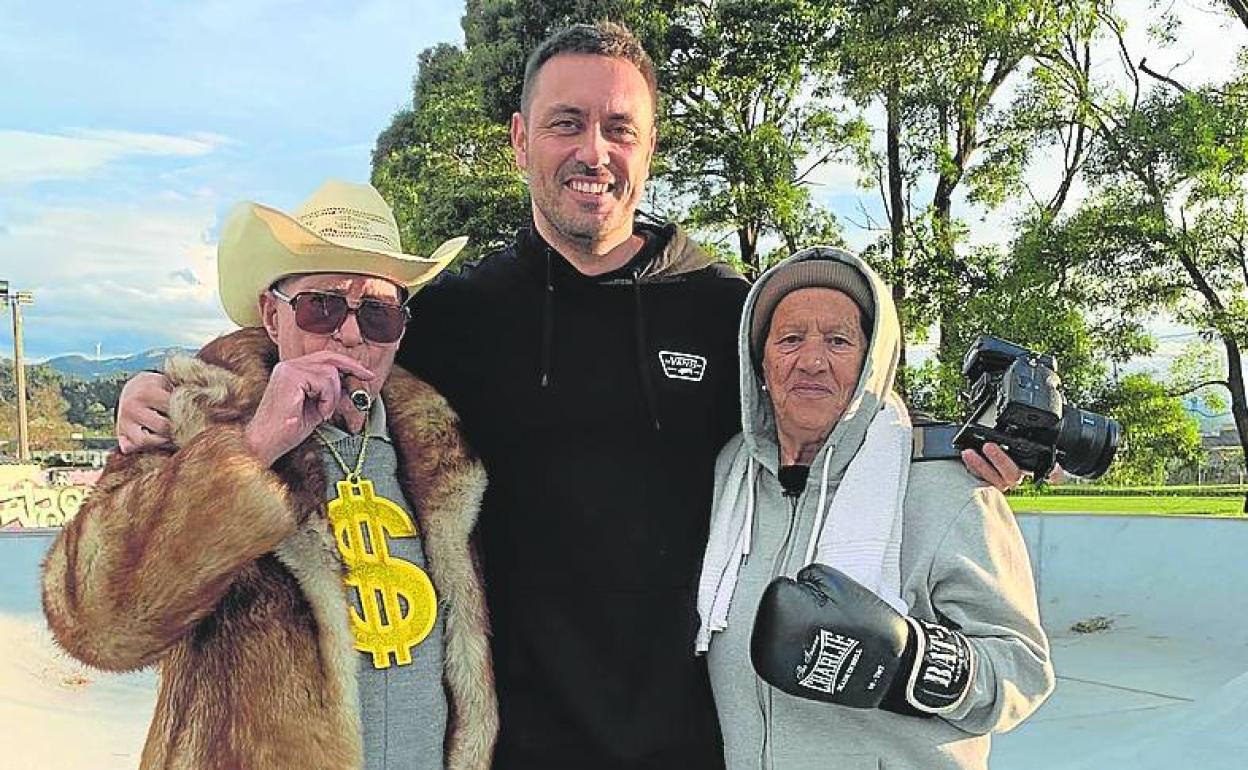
<point x="1086" y="442"/>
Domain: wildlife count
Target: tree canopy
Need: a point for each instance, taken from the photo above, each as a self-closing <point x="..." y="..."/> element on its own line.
<point x="944" y="107"/>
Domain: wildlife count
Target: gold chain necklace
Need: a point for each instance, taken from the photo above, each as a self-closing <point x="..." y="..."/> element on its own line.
<point x="353" y="477"/>
<point x="397" y="597"/>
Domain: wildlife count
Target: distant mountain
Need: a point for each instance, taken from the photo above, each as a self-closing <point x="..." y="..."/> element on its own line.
<point x="83" y="368"/>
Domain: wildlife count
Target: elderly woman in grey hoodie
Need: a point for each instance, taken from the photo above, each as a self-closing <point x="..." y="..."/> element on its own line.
<point x="909" y="629"/>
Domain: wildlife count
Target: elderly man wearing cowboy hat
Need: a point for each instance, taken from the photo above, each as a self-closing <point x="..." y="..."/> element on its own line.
<point x="299" y="566"/>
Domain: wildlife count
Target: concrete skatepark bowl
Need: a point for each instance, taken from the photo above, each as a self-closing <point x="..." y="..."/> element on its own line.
<point x="1151" y="680"/>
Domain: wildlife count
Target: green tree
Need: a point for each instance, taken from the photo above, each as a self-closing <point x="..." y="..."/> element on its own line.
<point x="1157" y="431"/>
<point x="750" y="114"/>
<point x="1040" y="322"/>
<point x="444" y="166"/>
<point x="1166" y="226"/>
<point x="938" y="72"/>
<point x="1197" y="371"/>
<point x="48" y="427"/>
<point x="1036" y="301"/>
<point x="92" y="403"/>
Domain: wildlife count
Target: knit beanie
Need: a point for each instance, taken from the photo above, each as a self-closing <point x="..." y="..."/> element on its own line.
<point x="804" y="274"/>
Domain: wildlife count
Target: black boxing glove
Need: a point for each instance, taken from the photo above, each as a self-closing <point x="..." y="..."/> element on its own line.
<point x="827" y="638"/>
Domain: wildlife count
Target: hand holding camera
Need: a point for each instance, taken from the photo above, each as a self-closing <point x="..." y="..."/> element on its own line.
<point x="1015" y="402"/>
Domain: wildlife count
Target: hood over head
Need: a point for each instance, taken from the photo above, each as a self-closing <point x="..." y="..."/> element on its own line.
<point x="855" y="277"/>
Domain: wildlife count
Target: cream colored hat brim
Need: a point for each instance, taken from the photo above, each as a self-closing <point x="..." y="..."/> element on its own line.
<point x="260" y="244"/>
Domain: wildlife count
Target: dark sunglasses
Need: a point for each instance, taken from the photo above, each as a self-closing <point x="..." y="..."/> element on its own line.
<point x="320" y="313"/>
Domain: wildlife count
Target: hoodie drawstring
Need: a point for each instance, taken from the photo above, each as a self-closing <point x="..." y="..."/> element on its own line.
<point x="643" y="342"/>
<point x="821" y="512"/>
<point x="747" y="535"/>
<point x="647" y="382"/>
<point x="548" y="324"/>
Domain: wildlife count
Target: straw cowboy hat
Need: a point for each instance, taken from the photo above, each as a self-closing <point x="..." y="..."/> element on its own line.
<point x="340" y="228"/>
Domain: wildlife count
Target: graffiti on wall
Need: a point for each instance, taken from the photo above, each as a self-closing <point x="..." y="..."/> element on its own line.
<point x="79" y="477"/>
<point x="31" y="497"/>
<point x="25" y="505"/>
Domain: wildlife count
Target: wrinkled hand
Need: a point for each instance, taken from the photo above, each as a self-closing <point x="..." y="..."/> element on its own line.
<point x="302" y="393"/>
<point x="994" y="466"/>
<point x="143" y="413"/>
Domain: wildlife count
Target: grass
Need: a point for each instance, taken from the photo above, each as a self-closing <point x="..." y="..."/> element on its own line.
<point x="1106" y="504"/>
<point x="1172" y="490"/>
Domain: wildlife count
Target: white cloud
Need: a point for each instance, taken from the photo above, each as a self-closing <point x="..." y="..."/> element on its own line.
<point x="27" y="156"/>
<point x="113" y="230"/>
<point x="1206" y="46"/>
<point x="833" y="177"/>
<point x="128" y="276"/>
<point x="186" y="274"/>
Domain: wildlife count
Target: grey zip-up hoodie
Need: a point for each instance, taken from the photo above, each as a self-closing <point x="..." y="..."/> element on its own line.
<point x="963" y="563"/>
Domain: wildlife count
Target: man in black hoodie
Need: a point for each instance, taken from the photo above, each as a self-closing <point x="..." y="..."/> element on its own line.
<point x="593" y="363"/>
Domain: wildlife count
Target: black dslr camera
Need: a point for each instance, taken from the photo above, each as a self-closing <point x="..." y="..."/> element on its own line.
<point x="1015" y="402"/>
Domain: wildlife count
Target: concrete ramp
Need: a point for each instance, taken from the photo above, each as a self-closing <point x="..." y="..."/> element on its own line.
<point x="1163" y="628"/>
<point x="58" y="714"/>
<point x="1209" y="733"/>
<point x="1155" y="680"/>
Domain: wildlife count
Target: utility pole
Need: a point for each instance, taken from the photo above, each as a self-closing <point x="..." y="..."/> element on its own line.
<point x="15" y="300"/>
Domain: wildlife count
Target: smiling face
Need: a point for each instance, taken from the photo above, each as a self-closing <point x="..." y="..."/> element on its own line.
<point x="586" y="145"/>
<point x="812" y="359"/>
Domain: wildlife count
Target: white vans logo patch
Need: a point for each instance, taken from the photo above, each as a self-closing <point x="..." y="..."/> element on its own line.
<point x="682" y="366"/>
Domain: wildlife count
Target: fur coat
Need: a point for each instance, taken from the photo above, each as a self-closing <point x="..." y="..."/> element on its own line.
<point x="225" y="574"/>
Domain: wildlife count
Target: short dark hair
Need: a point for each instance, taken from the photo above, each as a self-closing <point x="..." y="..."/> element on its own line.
<point x="602" y="38"/>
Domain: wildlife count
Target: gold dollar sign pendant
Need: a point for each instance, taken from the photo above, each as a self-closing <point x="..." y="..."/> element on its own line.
<point x="397" y="598"/>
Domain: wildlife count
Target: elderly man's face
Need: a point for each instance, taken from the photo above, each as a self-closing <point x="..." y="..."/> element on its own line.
<point x="812" y="359"/>
<point x="586" y="145"/>
<point x="293" y="342"/>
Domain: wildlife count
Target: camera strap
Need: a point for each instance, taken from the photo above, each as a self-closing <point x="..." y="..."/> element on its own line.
<point x="934" y="441"/>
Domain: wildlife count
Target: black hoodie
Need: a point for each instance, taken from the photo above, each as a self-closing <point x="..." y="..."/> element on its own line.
<point x="598" y="405"/>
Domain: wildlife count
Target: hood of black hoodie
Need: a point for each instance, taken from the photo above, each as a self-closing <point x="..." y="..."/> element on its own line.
<point x="668" y="254"/>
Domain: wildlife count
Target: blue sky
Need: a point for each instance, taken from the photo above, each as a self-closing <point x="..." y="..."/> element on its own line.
<point x="128" y="129"/>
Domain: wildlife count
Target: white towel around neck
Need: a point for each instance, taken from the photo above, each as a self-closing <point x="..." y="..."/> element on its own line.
<point x="858" y="532"/>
